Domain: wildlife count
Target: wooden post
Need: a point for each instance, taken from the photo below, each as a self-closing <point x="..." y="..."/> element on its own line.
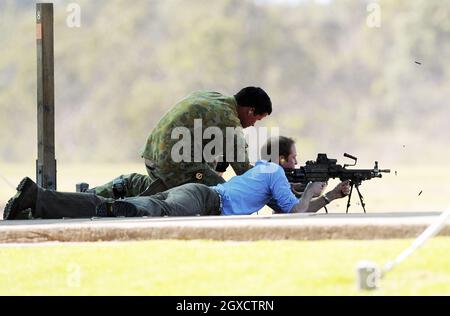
<point x="46" y="163"/>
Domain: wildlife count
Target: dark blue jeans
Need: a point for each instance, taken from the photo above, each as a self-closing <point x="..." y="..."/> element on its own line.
<point x="190" y="199"/>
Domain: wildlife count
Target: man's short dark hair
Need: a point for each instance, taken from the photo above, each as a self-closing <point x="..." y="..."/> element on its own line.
<point x="284" y="147"/>
<point x="254" y="97"/>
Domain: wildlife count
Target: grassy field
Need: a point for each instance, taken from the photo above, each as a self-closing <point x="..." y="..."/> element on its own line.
<point x="220" y="268"/>
<point x="230" y="268"/>
<point x="413" y="188"/>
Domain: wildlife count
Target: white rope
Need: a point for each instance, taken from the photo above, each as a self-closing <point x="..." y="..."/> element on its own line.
<point x="7" y="182"/>
<point x="431" y="231"/>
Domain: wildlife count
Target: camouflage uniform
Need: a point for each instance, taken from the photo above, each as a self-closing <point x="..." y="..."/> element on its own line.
<point x="214" y="109"/>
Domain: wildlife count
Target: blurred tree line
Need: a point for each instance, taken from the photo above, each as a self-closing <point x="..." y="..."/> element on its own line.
<point x="336" y="84"/>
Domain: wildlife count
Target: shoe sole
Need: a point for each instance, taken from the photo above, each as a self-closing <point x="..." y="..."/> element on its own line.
<point x="8" y="213"/>
<point x="8" y="208"/>
<point x="23" y="183"/>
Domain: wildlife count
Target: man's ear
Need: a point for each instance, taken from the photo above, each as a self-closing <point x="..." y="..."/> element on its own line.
<point x="282" y="160"/>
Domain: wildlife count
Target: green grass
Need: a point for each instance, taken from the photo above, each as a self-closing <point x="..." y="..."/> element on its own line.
<point x="220" y="268"/>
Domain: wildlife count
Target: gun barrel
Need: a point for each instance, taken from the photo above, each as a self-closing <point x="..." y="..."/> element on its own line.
<point x="385" y="170"/>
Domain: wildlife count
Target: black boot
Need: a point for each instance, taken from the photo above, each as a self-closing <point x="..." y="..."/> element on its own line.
<point x="24" y="199"/>
<point x="118" y="208"/>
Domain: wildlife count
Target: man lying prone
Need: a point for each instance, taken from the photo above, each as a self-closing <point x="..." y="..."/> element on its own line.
<point x="263" y="184"/>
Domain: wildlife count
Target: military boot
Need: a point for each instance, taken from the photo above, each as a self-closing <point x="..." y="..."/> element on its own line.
<point x="23" y="201"/>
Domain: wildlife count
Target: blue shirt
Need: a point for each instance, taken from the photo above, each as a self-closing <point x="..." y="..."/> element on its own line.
<point x="248" y="193"/>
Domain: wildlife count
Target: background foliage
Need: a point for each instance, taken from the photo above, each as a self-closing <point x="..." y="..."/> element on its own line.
<point x="337" y="85"/>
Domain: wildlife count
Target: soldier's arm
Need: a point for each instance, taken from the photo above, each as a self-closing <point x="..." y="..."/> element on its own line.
<point x="235" y="146"/>
<point x="240" y="162"/>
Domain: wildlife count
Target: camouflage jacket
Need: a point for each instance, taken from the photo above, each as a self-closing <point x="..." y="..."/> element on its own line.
<point x="214" y="110"/>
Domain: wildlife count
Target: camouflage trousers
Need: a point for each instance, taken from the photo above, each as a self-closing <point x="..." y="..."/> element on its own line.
<point x="157" y="181"/>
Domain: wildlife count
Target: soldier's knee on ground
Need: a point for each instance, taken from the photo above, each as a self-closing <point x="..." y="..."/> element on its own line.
<point x="115" y="189"/>
<point x="128" y="185"/>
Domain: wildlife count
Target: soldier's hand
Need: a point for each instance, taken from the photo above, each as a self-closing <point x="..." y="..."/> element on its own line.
<point x="298" y="189"/>
<point x="221" y="167"/>
<point x="340" y="191"/>
<point x="316" y="188"/>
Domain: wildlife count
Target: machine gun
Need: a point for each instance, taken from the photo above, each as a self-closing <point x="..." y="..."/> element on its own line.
<point x="324" y="168"/>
